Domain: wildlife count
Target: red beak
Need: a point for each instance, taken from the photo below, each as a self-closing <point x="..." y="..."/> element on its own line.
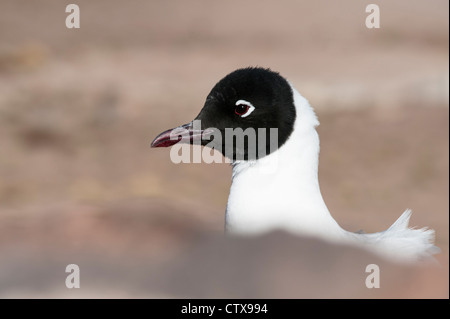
<point x="184" y="134"/>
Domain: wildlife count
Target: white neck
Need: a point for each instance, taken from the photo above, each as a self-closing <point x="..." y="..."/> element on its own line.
<point x="281" y="190"/>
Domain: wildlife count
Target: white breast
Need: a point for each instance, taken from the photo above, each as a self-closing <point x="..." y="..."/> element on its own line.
<point x="281" y="191"/>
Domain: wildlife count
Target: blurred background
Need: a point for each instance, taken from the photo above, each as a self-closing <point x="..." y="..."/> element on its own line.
<point x="80" y="184"/>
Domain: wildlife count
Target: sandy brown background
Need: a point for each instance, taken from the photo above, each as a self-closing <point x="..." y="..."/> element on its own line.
<point x="79" y="108"/>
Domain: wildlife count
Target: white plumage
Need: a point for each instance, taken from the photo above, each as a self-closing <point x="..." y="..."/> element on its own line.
<point x="281" y="191"/>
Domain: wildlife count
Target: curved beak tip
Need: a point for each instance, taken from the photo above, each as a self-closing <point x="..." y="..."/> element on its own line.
<point x="185" y="132"/>
<point x="164" y="140"/>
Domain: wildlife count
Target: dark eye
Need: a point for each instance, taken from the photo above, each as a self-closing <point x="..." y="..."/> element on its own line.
<point x="243" y="108"/>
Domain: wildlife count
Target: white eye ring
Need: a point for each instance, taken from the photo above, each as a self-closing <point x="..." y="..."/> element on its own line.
<point x="250" y="109"/>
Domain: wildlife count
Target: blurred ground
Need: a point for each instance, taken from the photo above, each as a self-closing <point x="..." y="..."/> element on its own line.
<point x="79" y="108"/>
